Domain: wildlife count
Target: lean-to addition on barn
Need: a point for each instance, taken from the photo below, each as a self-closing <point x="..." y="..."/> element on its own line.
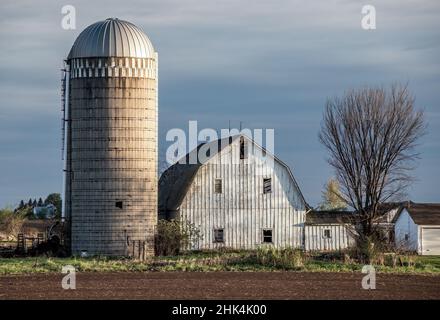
<point x="328" y="230"/>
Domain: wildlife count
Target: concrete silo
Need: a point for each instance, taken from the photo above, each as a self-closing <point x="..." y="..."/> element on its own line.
<point x="111" y="92"/>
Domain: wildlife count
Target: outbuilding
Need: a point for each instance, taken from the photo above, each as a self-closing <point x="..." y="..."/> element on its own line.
<point x="328" y="230"/>
<point x="417" y="228"/>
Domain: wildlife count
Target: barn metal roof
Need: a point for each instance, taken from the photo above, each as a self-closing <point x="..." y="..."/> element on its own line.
<point x="112" y="38"/>
<point x="176" y="180"/>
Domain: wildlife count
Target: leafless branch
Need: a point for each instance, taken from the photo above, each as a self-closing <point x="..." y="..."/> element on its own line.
<point x="371" y="136"/>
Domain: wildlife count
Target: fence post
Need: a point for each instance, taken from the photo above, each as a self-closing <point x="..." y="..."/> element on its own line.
<point x="134" y="249"/>
<point x="20" y="242"/>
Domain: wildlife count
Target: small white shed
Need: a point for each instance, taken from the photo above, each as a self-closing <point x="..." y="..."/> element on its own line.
<point x="417" y="228"/>
<point x="328" y="230"/>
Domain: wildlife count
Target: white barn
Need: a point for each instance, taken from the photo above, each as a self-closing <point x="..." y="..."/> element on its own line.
<point x="240" y="197"/>
<point x="417" y="228"/>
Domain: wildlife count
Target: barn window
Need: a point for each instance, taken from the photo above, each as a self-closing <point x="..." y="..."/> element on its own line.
<point x="218" y="186"/>
<point x="219" y="235"/>
<point x="267" y="235"/>
<point x="327" y="234"/>
<point x="406" y="237"/>
<point x="243" y="149"/>
<point x="119" y="204"/>
<point x="267" y="185"/>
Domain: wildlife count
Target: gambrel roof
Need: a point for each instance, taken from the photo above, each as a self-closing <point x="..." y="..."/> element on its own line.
<point x="176" y="180"/>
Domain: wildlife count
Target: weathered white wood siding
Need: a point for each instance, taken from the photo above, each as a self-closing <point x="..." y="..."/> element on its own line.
<point x="316" y="241"/>
<point x="406" y="233"/>
<point x="242" y="210"/>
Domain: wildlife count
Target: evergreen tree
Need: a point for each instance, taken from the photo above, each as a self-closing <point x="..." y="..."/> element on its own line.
<point x="40" y="202"/>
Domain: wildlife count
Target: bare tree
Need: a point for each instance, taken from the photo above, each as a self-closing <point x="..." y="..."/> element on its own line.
<point x="371" y="135"/>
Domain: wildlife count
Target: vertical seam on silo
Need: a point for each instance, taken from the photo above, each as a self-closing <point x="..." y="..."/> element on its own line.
<point x="116" y="24"/>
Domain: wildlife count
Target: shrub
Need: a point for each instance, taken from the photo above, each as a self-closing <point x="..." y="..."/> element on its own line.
<point x="369" y="250"/>
<point x="11" y="223"/>
<point x="287" y="258"/>
<point x="399" y="256"/>
<point x="174" y="235"/>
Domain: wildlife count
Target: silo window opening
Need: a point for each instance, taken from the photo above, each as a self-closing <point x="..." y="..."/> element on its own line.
<point x="406" y="237"/>
<point x="267" y="235"/>
<point x="327" y="234"/>
<point x="219" y="235"/>
<point x="119" y="204"/>
<point x="243" y="149"/>
<point x="267" y="185"/>
<point x="218" y="186"/>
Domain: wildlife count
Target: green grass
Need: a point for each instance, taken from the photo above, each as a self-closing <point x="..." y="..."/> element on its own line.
<point x="206" y="262"/>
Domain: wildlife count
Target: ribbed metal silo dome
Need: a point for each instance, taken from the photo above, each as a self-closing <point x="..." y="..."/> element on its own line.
<point x="111" y="141"/>
<point x="112" y="38"/>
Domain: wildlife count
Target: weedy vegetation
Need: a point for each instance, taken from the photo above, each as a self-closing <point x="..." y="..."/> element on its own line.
<point x="262" y="259"/>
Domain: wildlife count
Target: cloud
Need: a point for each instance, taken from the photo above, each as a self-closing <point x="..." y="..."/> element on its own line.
<point x="267" y="63"/>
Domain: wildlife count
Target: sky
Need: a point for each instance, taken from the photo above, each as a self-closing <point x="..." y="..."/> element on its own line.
<point x="269" y="64"/>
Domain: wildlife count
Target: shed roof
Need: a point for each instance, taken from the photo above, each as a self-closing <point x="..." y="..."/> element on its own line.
<point x="338" y="216"/>
<point x="424" y="213"/>
<point x="421" y="213"/>
<point x="329" y="217"/>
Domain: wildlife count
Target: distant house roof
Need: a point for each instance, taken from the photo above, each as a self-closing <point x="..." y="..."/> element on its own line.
<point x="329" y="217"/>
<point x="421" y="213"/>
<point x="424" y="213"/>
<point x="386" y="213"/>
<point x="386" y="207"/>
<point x="176" y="180"/>
<point x="337" y="216"/>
